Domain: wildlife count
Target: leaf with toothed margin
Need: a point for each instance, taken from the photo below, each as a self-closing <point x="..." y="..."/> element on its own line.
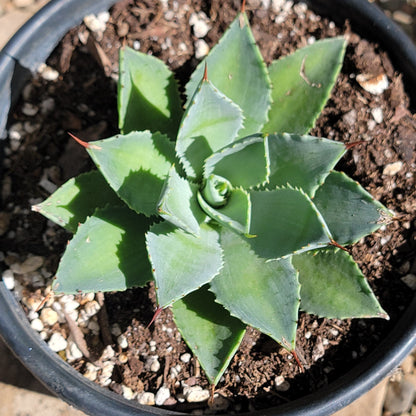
<point x="302" y="83"/>
<point x="235" y="214"/>
<point x="148" y="96"/>
<point x="76" y="199"/>
<point x="244" y="163"/>
<point x="332" y="286"/>
<point x="301" y="161"/>
<point x="136" y="166"/>
<point x="212" y="334"/>
<point x="340" y="197"/>
<point x="285" y="221"/>
<point x="107" y="253"/>
<point x="210" y="122"/>
<point x="178" y="203"/>
<point x="236" y="68"/>
<point x="262" y="294"/>
<point x="182" y="262"/>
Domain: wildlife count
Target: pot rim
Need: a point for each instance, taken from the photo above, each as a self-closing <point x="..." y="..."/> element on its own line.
<point x="21" y="57"/>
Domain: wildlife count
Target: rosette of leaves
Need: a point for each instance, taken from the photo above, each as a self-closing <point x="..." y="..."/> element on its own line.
<point x="229" y="206"/>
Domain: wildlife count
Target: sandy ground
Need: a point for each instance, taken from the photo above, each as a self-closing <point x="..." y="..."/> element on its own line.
<point x="22" y="395"/>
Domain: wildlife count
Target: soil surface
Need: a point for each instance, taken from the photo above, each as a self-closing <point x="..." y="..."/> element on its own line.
<point x="82" y="100"/>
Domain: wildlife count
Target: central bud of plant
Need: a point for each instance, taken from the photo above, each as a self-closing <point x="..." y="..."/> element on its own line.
<point x="216" y="191"/>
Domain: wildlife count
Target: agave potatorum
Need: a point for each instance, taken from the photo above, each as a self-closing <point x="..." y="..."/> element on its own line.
<point x="230" y="207"/>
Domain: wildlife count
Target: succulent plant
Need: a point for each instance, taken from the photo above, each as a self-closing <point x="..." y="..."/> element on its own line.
<point x="229" y="206"/>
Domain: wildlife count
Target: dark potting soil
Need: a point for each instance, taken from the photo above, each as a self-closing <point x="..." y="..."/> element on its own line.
<point x="85" y="104"/>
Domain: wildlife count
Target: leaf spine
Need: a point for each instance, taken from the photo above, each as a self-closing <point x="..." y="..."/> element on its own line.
<point x="85" y="144"/>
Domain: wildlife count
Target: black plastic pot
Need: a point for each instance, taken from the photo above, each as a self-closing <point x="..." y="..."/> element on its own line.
<point x="31" y="46"/>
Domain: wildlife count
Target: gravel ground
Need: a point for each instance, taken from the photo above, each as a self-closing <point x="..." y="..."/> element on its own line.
<point x="21" y="394"/>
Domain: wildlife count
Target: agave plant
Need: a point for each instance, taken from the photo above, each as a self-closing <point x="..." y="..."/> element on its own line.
<point x="234" y="212"/>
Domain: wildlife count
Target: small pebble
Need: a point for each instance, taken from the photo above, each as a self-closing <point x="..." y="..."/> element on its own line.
<point x="15" y="131"/>
<point x="220" y="403"/>
<point x="392" y="168"/>
<point x="350" y="118"/>
<point x="162" y="395"/>
<point x="57" y="342"/>
<point x="37" y="325"/>
<point x="146" y="398"/>
<point x="97" y="23"/>
<point x="47" y="105"/>
<point x="127" y="392"/>
<point x="402" y="17"/>
<point x="115" y="330"/>
<point x="91" y="308"/>
<point x="201" y="49"/>
<point x="185" y="358"/>
<point x="281" y="384"/>
<point x="48" y="73"/>
<point x="199" y="22"/>
<point x="377" y="114"/>
<point x="123" y="29"/>
<point x="122" y="341"/>
<point x="48" y="316"/>
<point x="8" y="279"/>
<point x="373" y="84"/>
<point x="108" y="353"/>
<point x="69" y="305"/>
<point x="31" y="264"/>
<point x="94" y="327"/>
<point x="72" y="351"/>
<point x="195" y="394"/>
<point x="409" y="280"/>
<point x="29" y="109"/>
<point x="91" y="371"/>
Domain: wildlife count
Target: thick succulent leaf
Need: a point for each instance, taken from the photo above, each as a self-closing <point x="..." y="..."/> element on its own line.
<point x="236" y="68"/>
<point x="333" y="286"/>
<point x="211" y="122"/>
<point x="301" y="161"/>
<point x="262" y="294"/>
<point x="107" y="253"/>
<point x="302" y="83"/>
<point x="235" y="214"/>
<point x="244" y="163"/>
<point x="182" y="262"/>
<point x="136" y="166"/>
<point x="210" y="331"/>
<point x="285" y="221"/>
<point x="349" y="210"/>
<point x="178" y="203"/>
<point x="148" y="97"/>
<point x="77" y="199"/>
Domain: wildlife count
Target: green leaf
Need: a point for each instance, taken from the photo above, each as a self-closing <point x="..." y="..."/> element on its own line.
<point x="210" y="331"/>
<point x="148" y="97"/>
<point x="182" y="262"/>
<point x="285" y="221"/>
<point x="178" y="203"/>
<point x="244" y="163"/>
<point x="301" y="161"/>
<point x="302" y="83"/>
<point x="236" y="68"/>
<point x="333" y="286"/>
<point x="235" y="214"/>
<point x="107" y="253"/>
<point x="211" y="122"/>
<point x="349" y="210"/>
<point x="262" y="294"/>
<point x="136" y="166"/>
<point x="76" y="199"/>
